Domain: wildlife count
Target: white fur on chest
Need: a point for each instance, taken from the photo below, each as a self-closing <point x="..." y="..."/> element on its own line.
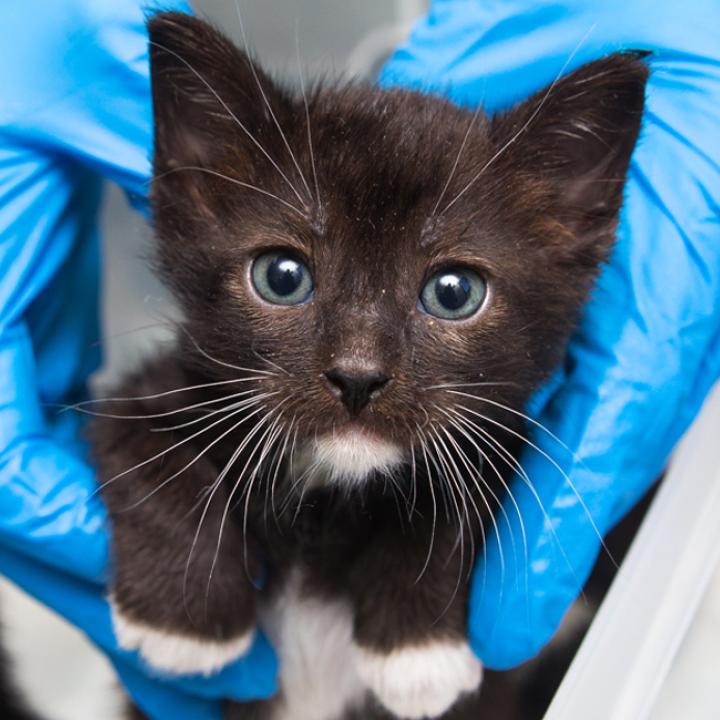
<point x="313" y="639"/>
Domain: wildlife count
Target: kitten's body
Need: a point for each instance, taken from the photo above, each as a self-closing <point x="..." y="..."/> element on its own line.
<point x="341" y="501"/>
<point x="334" y="566"/>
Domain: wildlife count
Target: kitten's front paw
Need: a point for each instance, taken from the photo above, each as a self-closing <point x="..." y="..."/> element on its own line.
<point x="420" y="681"/>
<point x="175" y="653"/>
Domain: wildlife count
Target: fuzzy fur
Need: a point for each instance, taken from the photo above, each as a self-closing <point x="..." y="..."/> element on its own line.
<point x="377" y="565"/>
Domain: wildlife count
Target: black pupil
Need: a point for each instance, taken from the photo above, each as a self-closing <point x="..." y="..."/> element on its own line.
<point x="284" y="275"/>
<point x="452" y="291"/>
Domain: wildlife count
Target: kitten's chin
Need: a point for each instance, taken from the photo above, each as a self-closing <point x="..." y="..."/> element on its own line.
<point x="353" y="455"/>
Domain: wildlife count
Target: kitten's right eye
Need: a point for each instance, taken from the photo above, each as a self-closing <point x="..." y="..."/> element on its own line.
<point x="282" y="278"/>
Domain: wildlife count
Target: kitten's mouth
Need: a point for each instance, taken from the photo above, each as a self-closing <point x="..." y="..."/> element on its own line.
<point x="352" y="452"/>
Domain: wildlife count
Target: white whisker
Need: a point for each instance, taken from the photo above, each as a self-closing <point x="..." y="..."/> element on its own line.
<point x="495" y="497"/>
<point x="271" y="363"/>
<point x="235" y="181"/>
<point x="445" y="476"/>
<point x="216" y="485"/>
<point x="170" y="449"/>
<point x="471" y="384"/>
<point x="524" y="126"/>
<point x="455" y="477"/>
<point x="151" y="416"/>
<point x="423" y="446"/>
<point x="457" y="159"/>
<point x="265" y="442"/>
<point x="532" y="421"/>
<point x="440" y="473"/>
<point x="472" y="472"/>
<point x="486" y="458"/>
<point x="154" y="396"/>
<point x="210" y="413"/>
<point x="261" y="443"/>
<point x="205" y="450"/>
<point x="555" y="464"/>
<point x="515" y="465"/>
<point x="231" y="114"/>
<point x="307" y="117"/>
<point x="267" y="102"/>
<point x="222" y="363"/>
<point x="277" y="463"/>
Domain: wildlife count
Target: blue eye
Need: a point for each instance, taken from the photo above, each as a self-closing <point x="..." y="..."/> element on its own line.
<point x="453" y="294"/>
<point x="282" y="278"/>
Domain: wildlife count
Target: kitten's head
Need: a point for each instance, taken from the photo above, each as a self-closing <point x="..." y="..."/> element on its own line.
<point x="380" y="259"/>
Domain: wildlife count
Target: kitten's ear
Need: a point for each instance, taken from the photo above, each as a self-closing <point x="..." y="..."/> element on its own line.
<point x="579" y="135"/>
<point x="209" y="100"/>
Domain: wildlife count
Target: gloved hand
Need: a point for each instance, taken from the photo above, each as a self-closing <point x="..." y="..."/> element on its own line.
<point x="648" y="349"/>
<point x="75" y="108"/>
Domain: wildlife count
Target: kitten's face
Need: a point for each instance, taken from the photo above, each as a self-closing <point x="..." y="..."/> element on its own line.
<point x="389" y="253"/>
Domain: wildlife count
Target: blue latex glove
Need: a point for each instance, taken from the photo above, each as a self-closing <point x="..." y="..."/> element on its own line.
<point x="75" y="108"/>
<point x="648" y="349"/>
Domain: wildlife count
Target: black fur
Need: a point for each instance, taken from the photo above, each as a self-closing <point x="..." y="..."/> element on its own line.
<point x="531" y="206"/>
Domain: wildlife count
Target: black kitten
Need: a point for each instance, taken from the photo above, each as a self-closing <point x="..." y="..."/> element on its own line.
<point x="372" y="281"/>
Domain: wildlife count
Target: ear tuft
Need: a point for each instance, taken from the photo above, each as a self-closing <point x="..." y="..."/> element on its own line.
<point x="579" y="135"/>
<point x="207" y="94"/>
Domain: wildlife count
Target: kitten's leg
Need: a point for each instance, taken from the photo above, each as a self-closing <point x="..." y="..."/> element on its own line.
<point x="164" y="601"/>
<point x="410" y="622"/>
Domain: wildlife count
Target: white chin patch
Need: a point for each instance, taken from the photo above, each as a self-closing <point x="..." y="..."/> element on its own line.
<point x="423" y="681"/>
<point x="352" y="456"/>
<point x="177" y="654"/>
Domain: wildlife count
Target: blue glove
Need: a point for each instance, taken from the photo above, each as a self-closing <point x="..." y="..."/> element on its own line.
<point x="76" y="108"/>
<point x="648" y="349"/>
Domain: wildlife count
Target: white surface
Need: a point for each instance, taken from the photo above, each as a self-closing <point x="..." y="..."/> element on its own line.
<point x="630" y="647"/>
<point x="692" y="689"/>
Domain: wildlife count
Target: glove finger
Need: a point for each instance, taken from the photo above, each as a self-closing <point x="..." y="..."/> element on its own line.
<point x="253" y="677"/>
<point x="638" y="371"/>
<point x="566" y="505"/>
<point x="78" y="76"/>
<point x="50" y="509"/>
<point x="498" y="54"/>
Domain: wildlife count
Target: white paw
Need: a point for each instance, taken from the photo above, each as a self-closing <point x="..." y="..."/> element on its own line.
<point x="421" y="681"/>
<point x="177" y="654"/>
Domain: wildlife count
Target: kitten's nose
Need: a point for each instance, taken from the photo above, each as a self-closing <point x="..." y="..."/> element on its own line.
<point x="355" y="387"/>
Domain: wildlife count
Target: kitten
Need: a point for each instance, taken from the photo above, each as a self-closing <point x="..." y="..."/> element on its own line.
<point x="372" y="282"/>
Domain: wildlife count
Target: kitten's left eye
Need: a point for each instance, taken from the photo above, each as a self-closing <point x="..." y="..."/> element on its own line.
<point x="282" y="278"/>
<point x="453" y="294"/>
